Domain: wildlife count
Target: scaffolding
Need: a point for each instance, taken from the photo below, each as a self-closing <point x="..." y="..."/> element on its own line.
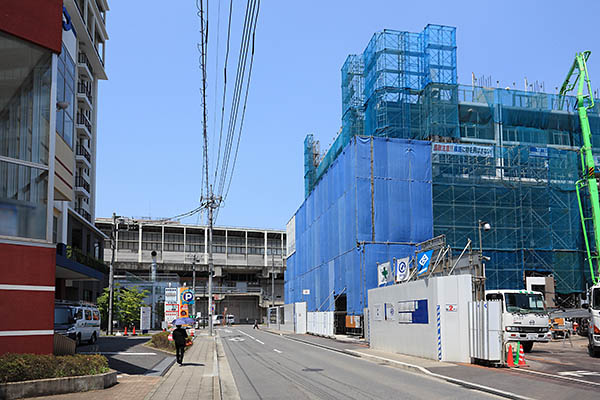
<point x="504" y="156"/>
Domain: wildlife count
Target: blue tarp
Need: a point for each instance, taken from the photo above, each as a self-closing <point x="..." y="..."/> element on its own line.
<point x="384" y="180"/>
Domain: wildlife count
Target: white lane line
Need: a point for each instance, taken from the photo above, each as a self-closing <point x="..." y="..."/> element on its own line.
<point x="560" y="377"/>
<point x="277" y="351"/>
<point x="117" y="353"/>
<point x="244" y="333"/>
<point x="259" y="341"/>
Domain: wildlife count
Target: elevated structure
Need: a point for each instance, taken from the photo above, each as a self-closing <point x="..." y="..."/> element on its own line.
<point x="248" y="263"/>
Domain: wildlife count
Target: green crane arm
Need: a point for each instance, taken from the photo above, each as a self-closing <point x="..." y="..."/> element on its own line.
<point x="578" y="75"/>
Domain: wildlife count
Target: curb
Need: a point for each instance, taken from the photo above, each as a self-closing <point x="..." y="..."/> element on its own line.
<point x="52" y="386"/>
<point x="413" y="368"/>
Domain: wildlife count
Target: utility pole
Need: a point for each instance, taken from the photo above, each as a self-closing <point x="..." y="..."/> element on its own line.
<point x="111" y="275"/>
<point x="194" y="286"/>
<point x="272" y="276"/>
<point x="211" y="203"/>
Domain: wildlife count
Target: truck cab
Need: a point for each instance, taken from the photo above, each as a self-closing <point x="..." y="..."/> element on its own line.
<point x="594" y="326"/>
<point x="524" y="316"/>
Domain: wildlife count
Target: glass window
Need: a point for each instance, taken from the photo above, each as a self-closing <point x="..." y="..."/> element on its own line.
<point x="66" y="93"/>
<point x="96" y="315"/>
<point x="79" y="314"/>
<point x="88" y="315"/>
<point x="522" y="302"/>
<point x="596" y="299"/>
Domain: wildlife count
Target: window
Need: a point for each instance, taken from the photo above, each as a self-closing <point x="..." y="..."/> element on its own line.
<point x="79" y="314"/>
<point x="88" y="315"/>
<point x="596" y="299"/>
<point x="96" y="316"/>
<point x="65" y="83"/>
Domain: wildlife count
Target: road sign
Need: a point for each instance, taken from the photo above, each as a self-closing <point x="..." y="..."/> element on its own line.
<point x="423" y="260"/>
<point x="145" y="313"/>
<point x="186" y="295"/>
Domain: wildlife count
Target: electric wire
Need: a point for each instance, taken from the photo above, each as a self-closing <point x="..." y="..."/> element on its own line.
<point x="248" y="32"/>
<point x="245" y="102"/>
<point x="235" y="100"/>
<point x="224" y="90"/>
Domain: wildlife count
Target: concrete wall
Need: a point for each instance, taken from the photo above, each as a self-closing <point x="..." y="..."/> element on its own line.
<point x="404" y="318"/>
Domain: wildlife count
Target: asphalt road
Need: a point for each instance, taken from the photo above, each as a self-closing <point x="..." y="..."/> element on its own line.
<point x="128" y="355"/>
<point x="267" y="366"/>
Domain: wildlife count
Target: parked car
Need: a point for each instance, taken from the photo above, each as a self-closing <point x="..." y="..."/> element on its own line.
<point x="229" y="319"/>
<point x="218" y="319"/>
<point x="79" y="322"/>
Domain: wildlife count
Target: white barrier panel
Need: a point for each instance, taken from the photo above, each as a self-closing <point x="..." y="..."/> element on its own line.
<point x="320" y="323"/>
<point x="300" y="317"/>
<point x="288" y="318"/>
<point x="485" y="330"/>
<point x="425" y="318"/>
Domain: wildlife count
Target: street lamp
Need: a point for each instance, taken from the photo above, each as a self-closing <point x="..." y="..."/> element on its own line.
<point x="153" y="279"/>
<point x="486" y="227"/>
<point x="480" y="291"/>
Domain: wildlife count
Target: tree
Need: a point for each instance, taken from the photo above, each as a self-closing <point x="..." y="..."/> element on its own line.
<point x="126" y="304"/>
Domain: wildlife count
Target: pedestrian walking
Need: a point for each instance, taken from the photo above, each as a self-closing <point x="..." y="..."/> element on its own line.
<point x="179" y="337"/>
<point x="255" y="324"/>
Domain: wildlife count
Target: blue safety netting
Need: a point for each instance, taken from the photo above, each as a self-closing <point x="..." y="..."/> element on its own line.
<point x="372" y="204"/>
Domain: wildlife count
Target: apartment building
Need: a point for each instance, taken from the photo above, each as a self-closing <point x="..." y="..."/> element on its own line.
<point x="248" y="263"/>
<point x="48" y="246"/>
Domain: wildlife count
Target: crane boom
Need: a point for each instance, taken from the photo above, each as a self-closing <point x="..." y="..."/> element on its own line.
<point x="578" y="76"/>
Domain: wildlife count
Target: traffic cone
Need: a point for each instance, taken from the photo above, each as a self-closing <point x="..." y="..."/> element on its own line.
<point x="510" y="359"/>
<point x="134" y="330"/>
<point x="521" y="356"/>
<point x="125" y="332"/>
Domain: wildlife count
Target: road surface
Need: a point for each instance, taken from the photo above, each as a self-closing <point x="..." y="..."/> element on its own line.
<point x="268" y="366"/>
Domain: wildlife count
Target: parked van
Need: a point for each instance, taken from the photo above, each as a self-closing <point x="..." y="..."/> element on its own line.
<point x="79" y="322"/>
<point x="218" y="319"/>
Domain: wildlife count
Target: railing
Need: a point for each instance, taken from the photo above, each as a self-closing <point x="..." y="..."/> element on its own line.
<point x="84" y="213"/>
<point x="82" y="151"/>
<point x="227" y="290"/>
<point x="81" y="182"/>
<point x="82" y="58"/>
<point x="83" y="120"/>
<point x="84" y="88"/>
<point x="79" y="256"/>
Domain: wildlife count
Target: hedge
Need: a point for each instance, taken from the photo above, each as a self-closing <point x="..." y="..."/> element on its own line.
<point x="161" y="341"/>
<point x="25" y="367"/>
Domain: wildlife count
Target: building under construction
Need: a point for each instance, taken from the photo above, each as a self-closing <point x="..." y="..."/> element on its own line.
<point x="419" y="156"/>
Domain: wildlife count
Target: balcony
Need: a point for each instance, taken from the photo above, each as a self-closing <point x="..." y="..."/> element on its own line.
<point x="85" y="89"/>
<point x="81" y="151"/>
<point x="84" y="213"/>
<point x="84" y="124"/>
<point x="203" y="290"/>
<point x="75" y="264"/>
<point x="84" y="63"/>
<point x="80" y="182"/>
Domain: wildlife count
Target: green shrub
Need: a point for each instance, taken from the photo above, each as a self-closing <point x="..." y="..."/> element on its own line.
<point x="161" y="341"/>
<point x="25" y="367"/>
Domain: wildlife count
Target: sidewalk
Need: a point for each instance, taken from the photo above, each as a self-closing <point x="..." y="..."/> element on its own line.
<point x="504" y="382"/>
<point x="204" y="374"/>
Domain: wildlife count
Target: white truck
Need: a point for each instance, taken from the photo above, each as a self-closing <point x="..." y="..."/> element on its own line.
<point x="524" y="316"/>
<point x="594" y="326"/>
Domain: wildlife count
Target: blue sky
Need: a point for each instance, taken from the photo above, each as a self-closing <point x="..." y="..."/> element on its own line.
<point x="149" y="122"/>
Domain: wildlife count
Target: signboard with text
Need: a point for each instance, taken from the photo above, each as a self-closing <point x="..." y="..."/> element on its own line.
<point x="171" y="304"/>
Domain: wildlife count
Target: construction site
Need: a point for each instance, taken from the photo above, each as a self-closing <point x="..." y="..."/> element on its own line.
<point x="419" y="156"/>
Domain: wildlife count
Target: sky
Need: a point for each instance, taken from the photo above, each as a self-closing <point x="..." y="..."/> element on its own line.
<point x="149" y="157"/>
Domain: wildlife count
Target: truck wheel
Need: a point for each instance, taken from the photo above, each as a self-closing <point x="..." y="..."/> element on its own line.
<point x="78" y="340"/>
<point x="527" y="346"/>
<point x="594" y="351"/>
<point x="92" y="339"/>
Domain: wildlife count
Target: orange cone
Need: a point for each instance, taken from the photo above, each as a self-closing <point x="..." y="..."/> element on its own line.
<point x="510" y="359"/>
<point x="125" y="333"/>
<point x="134" y="330"/>
<point x="521" y="355"/>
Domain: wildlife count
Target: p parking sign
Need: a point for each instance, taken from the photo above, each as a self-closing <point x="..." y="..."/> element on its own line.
<point x="186" y="295"/>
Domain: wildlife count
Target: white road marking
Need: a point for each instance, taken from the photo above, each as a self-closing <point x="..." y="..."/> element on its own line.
<point x="244" y="333"/>
<point x="117" y="353"/>
<point x="579" y="374"/>
<point x="237" y="339"/>
<point x="228" y="330"/>
<point x="558" y="376"/>
<point x="259" y="341"/>
<point x="277" y="351"/>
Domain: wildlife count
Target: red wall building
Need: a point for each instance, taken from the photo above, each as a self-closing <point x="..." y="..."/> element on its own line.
<point x="30" y="32"/>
